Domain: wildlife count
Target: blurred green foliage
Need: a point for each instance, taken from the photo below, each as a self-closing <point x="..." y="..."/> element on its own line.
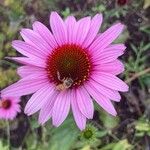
<point x="2" y="147"/>
<point x="142" y="127"/>
<point x="137" y="63"/>
<point x="121" y="145"/>
<point x="7" y="77"/>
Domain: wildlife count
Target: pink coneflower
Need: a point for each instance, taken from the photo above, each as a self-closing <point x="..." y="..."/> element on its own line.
<point x="9" y="107"/>
<point x="69" y="67"/>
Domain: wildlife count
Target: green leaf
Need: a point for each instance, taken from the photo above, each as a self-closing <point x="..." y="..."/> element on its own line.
<point x="64" y="136"/>
<point x="134" y="48"/>
<point x="2" y="124"/>
<point x="140" y="134"/>
<point x="100" y="8"/>
<point x="146" y="79"/>
<point x="101" y="133"/>
<point x="146" y="47"/>
<point x="145" y="28"/>
<point x="66" y="12"/>
<point x="122" y="145"/>
<point x="108" y="146"/>
<point x="142" y="126"/>
<point x="148" y="133"/>
<point x="2" y="147"/>
<point x="31" y="142"/>
<point x="34" y="122"/>
<point x="109" y="121"/>
<point x="87" y="147"/>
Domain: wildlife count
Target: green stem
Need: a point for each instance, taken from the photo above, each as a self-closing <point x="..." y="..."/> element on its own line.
<point x="8" y="134"/>
<point x="137" y="59"/>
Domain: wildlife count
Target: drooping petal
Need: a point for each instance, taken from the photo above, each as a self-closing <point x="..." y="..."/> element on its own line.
<point x="70" y="25"/>
<point x="103" y="101"/>
<point x="61" y="108"/>
<point x="29" y="61"/>
<point x="106" y="38"/>
<point x="115" y="67"/>
<point x="45" y="33"/>
<point x="25" y="86"/>
<point x="94" y="28"/>
<point x="36" y="40"/>
<point x="110" y="81"/>
<point x="85" y="102"/>
<point x="111" y="94"/>
<point x="27" y="49"/>
<point x="46" y="110"/>
<point x="80" y="119"/>
<point x="38" y="99"/>
<point x="58" y="28"/>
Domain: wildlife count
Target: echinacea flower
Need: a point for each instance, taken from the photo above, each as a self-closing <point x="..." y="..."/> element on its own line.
<point x="9" y="107"/>
<point x="69" y="67"/>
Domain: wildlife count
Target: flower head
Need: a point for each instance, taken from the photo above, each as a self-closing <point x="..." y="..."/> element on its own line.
<point x="89" y="134"/>
<point x="9" y="107"/>
<point x="69" y="67"/>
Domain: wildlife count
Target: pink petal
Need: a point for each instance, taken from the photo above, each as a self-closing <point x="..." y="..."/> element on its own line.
<point x="36" y="40"/>
<point x="115" y="67"/>
<point x="46" y="110"/>
<point x="94" y="28"/>
<point x="85" y="102"/>
<point x="28" y="61"/>
<point x="40" y="74"/>
<point x="61" y="108"/>
<point x="27" y="49"/>
<point x="103" y="101"/>
<point x="109" y="54"/>
<point x="80" y="119"/>
<point x="25" y="86"/>
<point x="110" y="81"/>
<point x="25" y="71"/>
<point x="14" y="100"/>
<point x="58" y="28"/>
<point x="45" y="33"/>
<point x="70" y="25"/>
<point x="111" y="94"/>
<point x="106" y="38"/>
<point x="83" y="26"/>
<point x="114" y="47"/>
<point x="38" y="99"/>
